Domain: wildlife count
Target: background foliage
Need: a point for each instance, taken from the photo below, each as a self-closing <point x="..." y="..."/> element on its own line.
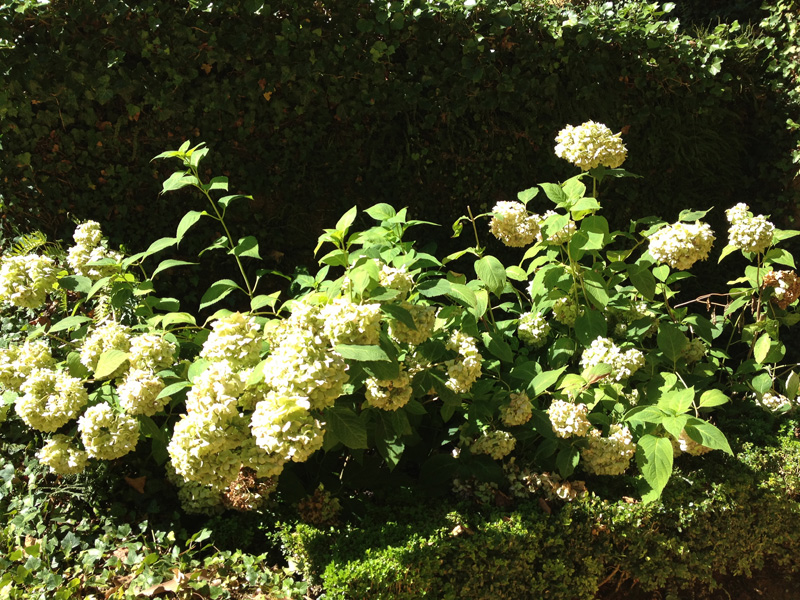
<point x="314" y="106"/>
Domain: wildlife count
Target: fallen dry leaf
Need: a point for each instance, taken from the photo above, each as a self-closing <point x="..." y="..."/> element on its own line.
<point x="136" y="483"/>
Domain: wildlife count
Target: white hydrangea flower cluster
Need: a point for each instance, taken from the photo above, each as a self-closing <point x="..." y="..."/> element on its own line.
<point x="90" y="248"/>
<point x="746" y="232"/>
<point x="513" y="225"/>
<point x="689" y="446"/>
<point x="680" y="245"/>
<point x="234" y="338"/>
<point x="566" y="311"/>
<point x="345" y="322"/>
<point x="62" y="456"/>
<point x="772" y="401"/>
<point x="107" y="434"/>
<point x="25" y="281"/>
<point x="195" y="498"/>
<point x="568" y="419"/>
<point x="464" y="370"/>
<point x="108" y="336"/>
<point x="283" y="426"/>
<point x="694" y="351"/>
<point x="591" y="145"/>
<point x="138" y="393"/>
<point x="399" y="279"/>
<point x="424" y="318"/>
<point x="533" y="329"/>
<point x="217" y="389"/>
<point x="389" y="394"/>
<point x="611" y="455"/>
<point x="786" y="285"/>
<point x="18" y="362"/>
<point x="560" y="237"/>
<point x="303" y="365"/>
<point x="204" y="448"/>
<point x="518" y="411"/>
<point x="150" y="351"/>
<point x="50" y="399"/>
<point x="604" y="351"/>
<point x="497" y="444"/>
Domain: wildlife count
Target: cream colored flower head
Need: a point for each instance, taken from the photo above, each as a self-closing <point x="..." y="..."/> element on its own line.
<point x="591" y="145"/>
<point x="680" y="245"/>
<point x="746" y="232"/>
<point x="512" y="225"/>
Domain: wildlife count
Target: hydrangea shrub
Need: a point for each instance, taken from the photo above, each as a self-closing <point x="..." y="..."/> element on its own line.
<point x="578" y="359"/>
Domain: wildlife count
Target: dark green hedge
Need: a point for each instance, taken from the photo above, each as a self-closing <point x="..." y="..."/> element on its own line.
<point x="718" y="517"/>
<point x="315" y="106"/>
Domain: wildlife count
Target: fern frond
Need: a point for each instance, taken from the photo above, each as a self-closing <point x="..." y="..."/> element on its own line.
<point x="28" y="244"/>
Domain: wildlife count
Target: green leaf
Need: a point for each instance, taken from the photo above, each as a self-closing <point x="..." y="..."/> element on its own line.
<point x="654" y="458"/>
<point x="498" y="347"/>
<point x="177" y="181"/>
<point x="336" y="258"/>
<point x="597" y="232"/>
<point x="189" y="219"/>
<point x="75" y="367"/>
<point x="674" y="425"/>
<point x="399" y="313"/>
<point x="761" y="383"/>
<point x="264" y="300"/>
<point x="345" y="425"/>
<point x="168" y="264"/>
<point x="677" y="401"/>
<point x="644" y="414"/>
<point x="584" y="206"/>
<point x="381" y="212"/>
<point x="176" y="318"/>
<point x="492" y="273"/>
<point x="526" y="196"/>
<point x="69" y="323"/>
<point x="109" y="362"/>
<point x="247" y="246"/>
<point x="706" y="434"/>
<point x="711" y="398"/>
<point x="481" y="304"/>
<point x="545" y="380"/>
<point x="792" y="385"/>
<point x="761" y="348"/>
<point x="343" y="224"/>
<point x="217" y="291"/>
<point x="689" y="216"/>
<point x="574" y="188"/>
<point x="362" y="353"/>
<point x="726" y="251"/>
<point x="589" y="326"/>
<point x="671" y="340"/>
<point x="225" y="201"/>
<point x="76" y="283"/>
<point x="463" y="294"/>
<point x="554" y="192"/>
<point x="196" y="368"/>
<point x="173" y="388"/>
<point x="595" y="287"/>
<point x="566" y="461"/>
<point x="516" y="273"/>
<point x="642" y="279"/>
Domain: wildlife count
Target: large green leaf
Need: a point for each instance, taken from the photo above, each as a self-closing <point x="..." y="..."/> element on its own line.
<point x="671" y="340"/>
<point x="498" y="347"/>
<point x="654" y="458"/>
<point x="362" y="353"/>
<point x="677" y="401"/>
<point x="345" y="425"/>
<point x="589" y="326"/>
<point x="247" y="246"/>
<point x="642" y="279"/>
<point x="168" y="264"/>
<point x="492" y="273"/>
<point x="217" y="291"/>
<point x="109" y="362"/>
<point x="69" y="323"/>
<point x="706" y="434"/>
<point x="545" y="380"/>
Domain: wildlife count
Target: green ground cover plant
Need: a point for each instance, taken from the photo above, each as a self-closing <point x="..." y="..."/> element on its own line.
<point x="392" y="368"/>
